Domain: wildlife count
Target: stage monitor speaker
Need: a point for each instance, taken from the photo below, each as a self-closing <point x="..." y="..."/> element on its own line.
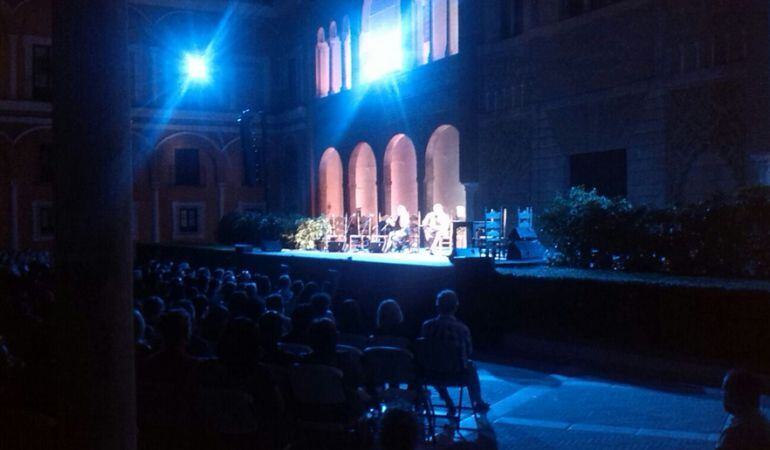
<point x="469" y="252"/>
<point x="523" y="234"/>
<point x="244" y="248"/>
<point x="335" y="246"/>
<point x="375" y="247"/>
<point x="526" y="250"/>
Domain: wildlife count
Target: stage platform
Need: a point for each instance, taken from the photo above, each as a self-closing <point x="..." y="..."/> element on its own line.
<point x="407" y="259"/>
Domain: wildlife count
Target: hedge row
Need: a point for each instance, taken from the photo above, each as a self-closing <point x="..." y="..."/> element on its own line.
<point x="725" y="236"/>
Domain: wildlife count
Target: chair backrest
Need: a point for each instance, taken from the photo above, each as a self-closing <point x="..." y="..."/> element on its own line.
<point x="353" y="340"/>
<point x="228" y="411"/>
<point x="165" y="404"/>
<point x="493" y="223"/>
<point x="526" y="218"/>
<point x="389" y="365"/>
<point x="493" y="216"/>
<point x="314" y="384"/>
<point x="295" y="349"/>
<point x="438" y="356"/>
<point x="389" y="341"/>
<point x="349" y="361"/>
<point x="279" y="377"/>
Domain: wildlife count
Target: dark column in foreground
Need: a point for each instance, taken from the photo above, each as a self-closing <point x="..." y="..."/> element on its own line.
<point x="93" y="255"/>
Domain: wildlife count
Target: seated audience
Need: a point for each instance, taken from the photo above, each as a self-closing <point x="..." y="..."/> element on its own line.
<point x="447" y="328"/>
<point x="348" y="317"/>
<point x="239" y="356"/>
<point x="263" y="283"/>
<point x="300" y="324"/>
<point x="747" y="428"/>
<point x="173" y="364"/>
<point x="270" y="332"/>
<point x="243" y="306"/>
<point x="274" y="302"/>
<point x="297" y="286"/>
<point x="390" y="319"/>
<point x="141" y="348"/>
<point x="323" y="340"/>
<point x="213" y="326"/>
<point x="152" y="309"/>
<point x="287" y="295"/>
<point x="321" y="306"/>
<point x="308" y="291"/>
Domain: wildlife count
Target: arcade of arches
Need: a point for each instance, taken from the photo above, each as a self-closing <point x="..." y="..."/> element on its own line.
<point x="399" y="177"/>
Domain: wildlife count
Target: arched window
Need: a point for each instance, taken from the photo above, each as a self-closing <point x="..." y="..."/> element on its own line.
<point x="330" y="195"/>
<point x="442" y="171"/>
<point x="347" y="56"/>
<point x="454" y="27"/>
<point x="438" y="29"/>
<point x="422" y="30"/>
<point x="335" y="58"/>
<point x="381" y="41"/>
<point x="363" y="180"/>
<point x="321" y="64"/>
<point x="400" y="171"/>
<point x="445" y="28"/>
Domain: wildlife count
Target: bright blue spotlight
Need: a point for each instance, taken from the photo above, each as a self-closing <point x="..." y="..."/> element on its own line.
<point x="381" y="53"/>
<point x="196" y="68"/>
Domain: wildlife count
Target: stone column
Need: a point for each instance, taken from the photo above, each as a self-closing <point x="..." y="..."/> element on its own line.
<point x="13" y="50"/>
<point x="470" y="200"/>
<point x="14" y="215"/>
<point x="92" y="210"/>
<point x="155" y="213"/>
<point x="221" y="199"/>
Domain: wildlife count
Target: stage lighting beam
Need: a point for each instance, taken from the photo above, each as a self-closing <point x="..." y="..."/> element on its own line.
<point x="196" y="68"/>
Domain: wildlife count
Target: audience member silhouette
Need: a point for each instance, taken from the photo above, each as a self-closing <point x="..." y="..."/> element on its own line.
<point x="300" y="324"/>
<point x="270" y="332"/>
<point x="747" y="428"/>
<point x="321" y="306"/>
<point x="390" y="319"/>
<point x="446" y="328"/>
<point x="348" y="317"/>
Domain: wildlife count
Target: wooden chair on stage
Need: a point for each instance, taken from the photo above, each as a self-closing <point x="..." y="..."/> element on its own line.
<point x="443" y="243"/>
<point x="337" y="239"/>
<point x="415" y="239"/>
<point x="492" y="242"/>
<point x="360" y="240"/>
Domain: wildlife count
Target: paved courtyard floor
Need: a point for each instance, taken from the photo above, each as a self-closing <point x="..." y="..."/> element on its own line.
<point x="537" y="410"/>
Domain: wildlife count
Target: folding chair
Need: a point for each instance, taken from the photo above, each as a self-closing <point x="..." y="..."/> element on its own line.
<point x="295" y="349"/>
<point x="353" y="340"/>
<point x="441" y="365"/>
<point x="321" y="403"/>
<point x="228" y="411"/>
<point x="389" y="341"/>
<point x="349" y="360"/>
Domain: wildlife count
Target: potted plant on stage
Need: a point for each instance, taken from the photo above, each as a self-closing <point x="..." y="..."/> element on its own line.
<point x="311" y="233"/>
<point x="271" y="228"/>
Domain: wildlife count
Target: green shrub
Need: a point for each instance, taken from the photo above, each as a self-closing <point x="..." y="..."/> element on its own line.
<point x="252" y="228"/>
<point x="309" y="230"/>
<point x="724" y="236"/>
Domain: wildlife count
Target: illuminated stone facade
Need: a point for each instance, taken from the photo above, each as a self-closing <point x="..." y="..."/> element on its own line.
<point x="491" y="103"/>
<point x="661" y="101"/>
<point x="168" y="206"/>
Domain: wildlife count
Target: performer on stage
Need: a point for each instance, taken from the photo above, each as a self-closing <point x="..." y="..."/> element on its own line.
<point x="436" y="226"/>
<point x="397" y="229"/>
